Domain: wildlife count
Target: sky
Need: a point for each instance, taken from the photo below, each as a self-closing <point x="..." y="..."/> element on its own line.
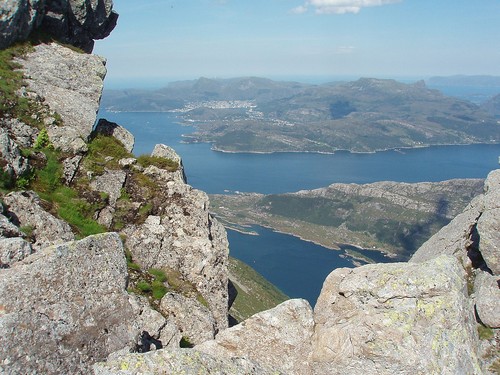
<point x="159" y="41"/>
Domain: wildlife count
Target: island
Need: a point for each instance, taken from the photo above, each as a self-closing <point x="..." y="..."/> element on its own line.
<point x="261" y="115"/>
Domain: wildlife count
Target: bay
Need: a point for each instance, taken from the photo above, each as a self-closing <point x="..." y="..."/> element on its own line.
<point x="217" y="172"/>
<point x="295" y="266"/>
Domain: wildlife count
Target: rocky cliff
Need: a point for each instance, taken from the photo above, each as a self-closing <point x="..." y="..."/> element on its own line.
<point x="77" y="22"/>
<point x="111" y="263"/>
<point x="100" y="251"/>
<point x="437" y="314"/>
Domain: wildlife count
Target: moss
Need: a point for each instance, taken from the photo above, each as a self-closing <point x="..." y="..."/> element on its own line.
<point x="185" y="343"/>
<point x="485" y="333"/>
<point x="158" y="274"/>
<point x="104" y="152"/>
<point x="63" y="200"/>
<point x="158" y="290"/>
<point x="159" y="162"/>
<point x="144" y="286"/>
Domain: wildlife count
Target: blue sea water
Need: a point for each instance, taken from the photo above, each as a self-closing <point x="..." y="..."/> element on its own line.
<point x="298" y="267"/>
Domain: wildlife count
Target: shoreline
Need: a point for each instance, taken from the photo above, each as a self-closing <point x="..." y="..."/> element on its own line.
<point x="336" y="247"/>
<point x="184" y="122"/>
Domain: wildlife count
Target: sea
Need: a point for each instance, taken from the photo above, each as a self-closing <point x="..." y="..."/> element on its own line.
<point x="295" y="266"/>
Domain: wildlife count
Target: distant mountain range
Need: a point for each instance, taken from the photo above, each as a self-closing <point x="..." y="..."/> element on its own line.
<point x="465" y="80"/>
<point x="260" y="115"/>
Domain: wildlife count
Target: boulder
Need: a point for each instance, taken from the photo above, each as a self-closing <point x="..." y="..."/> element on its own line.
<point x="111" y="183"/>
<point x="487" y="297"/>
<point x="70" y="83"/>
<point x="112" y="129"/>
<point x="194" y="320"/>
<point x="15" y="163"/>
<point x="24" y="209"/>
<point x="164" y="151"/>
<point x="180" y="361"/>
<point x="473" y="235"/>
<point x="399" y="318"/>
<point x="23" y="135"/>
<point x="71" y="311"/>
<point x="157" y="332"/>
<point x="488" y="227"/>
<point x="18" y="19"/>
<point x="7" y="229"/>
<point x="77" y="22"/>
<point x="13" y="250"/>
<point x="279" y="339"/>
<point x="70" y="167"/>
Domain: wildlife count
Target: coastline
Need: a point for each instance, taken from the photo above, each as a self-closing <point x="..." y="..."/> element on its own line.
<point x="341" y="247"/>
<point x="215" y="148"/>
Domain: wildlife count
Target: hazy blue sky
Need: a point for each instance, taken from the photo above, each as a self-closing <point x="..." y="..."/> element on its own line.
<point x="163" y="40"/>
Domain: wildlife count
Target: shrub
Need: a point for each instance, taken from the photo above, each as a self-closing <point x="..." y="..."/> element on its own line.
<point x="42" y="141"/>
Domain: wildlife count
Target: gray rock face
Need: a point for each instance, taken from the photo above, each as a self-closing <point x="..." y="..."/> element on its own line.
<point x="71" y="84"/>
<point x="487" y="291"/>
<point x="18" y="19"/>
<point x="110" y="183"/>
<point x="473" y="237"/>
<point x="156" y="326"/>
<point x="488" y="227"/>
<point x="13" y="250"/>
<point x="279" y="339"/>
<point x="183" y="236"/>
<point x="398" y="318"/>
<point x="193" y="319"/>
<point x="16" y="164"/>
<point x="80" y="22"/>
<point x="70" y="167"/>
<point x="24" y="210"/>
<point x="72" y="310"/>
<point x="180" y="361"/>
<point x="112" y="129"/>
<point x="77" y="22"/>
<point x="23" y="135"/>
<point x="164" y="151"/>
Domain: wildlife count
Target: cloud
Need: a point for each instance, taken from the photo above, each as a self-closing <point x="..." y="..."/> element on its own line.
<point x="340" y="6"/>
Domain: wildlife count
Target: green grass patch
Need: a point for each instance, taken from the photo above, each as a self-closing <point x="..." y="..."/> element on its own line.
<point x="485" y="333"/>
<point x="158" y="290"/>
<point x="104" y="152"/>
<point x="144" y="286"/>
<point x="159" y="275"/>
<point x="64" y="200"/>
<point x="162" y="163"/>
<point x="130" y="262"/>
<point x="185" y="343"/>
<point x="255" y="293"/>
<point x="11" y="80"/>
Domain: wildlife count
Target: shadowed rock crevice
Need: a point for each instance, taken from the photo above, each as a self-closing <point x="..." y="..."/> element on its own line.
<point x="473" y="249"/>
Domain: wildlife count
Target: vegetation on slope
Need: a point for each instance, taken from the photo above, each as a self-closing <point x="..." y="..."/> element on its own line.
<point x="255" y="293"/>
<point x="393" y="217"/>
